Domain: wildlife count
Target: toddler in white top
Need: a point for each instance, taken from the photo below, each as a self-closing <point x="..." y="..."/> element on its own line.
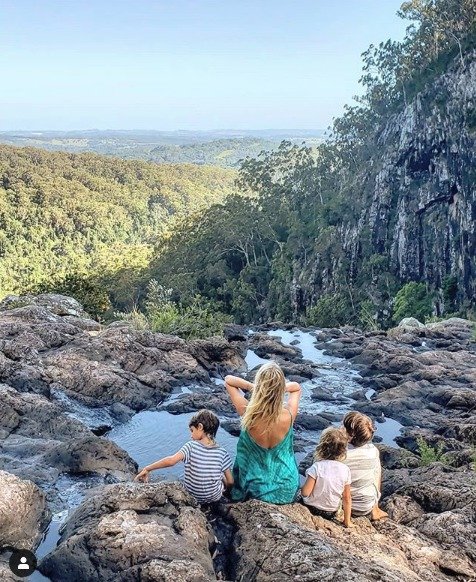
<point x="328" y="479"/>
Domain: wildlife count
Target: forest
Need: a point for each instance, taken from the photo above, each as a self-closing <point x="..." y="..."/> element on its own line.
<point x="85" y="215"/>
<point x="297" y="236"/>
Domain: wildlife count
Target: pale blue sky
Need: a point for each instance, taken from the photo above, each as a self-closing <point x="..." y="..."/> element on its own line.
<point x="184" y="64"/>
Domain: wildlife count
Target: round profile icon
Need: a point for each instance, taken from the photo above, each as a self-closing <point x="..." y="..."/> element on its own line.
<point x="22" y="563"/>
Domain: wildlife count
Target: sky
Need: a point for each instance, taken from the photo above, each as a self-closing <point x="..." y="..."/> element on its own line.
<point x="185" y="64"/>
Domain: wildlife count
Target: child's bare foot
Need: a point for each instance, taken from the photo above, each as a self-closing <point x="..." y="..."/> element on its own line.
<point x="377" y="514"/>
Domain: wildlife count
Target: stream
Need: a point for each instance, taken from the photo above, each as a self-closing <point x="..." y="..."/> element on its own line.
<point x="152" y="434"/>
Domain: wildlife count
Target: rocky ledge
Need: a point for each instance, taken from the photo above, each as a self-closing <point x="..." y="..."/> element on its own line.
<point x="153" y="532"/>
<point x="423" y="376"/>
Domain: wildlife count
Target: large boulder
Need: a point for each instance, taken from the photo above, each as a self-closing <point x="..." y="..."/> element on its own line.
<point x="266" y="346"/>
<point x="23" y="512"/>
<point x="287" y="543"/>
<point x="411" y="322"/>
<point x="92" y="455"/>
<point x="39" y="441"/>
<point x="24" y="516"/>
<point x="53" y="302"/>
<point x="143" y="532"/>
<point x="438" y="501"/>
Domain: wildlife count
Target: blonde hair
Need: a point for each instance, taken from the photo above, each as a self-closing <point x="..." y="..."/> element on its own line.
<point x="332" y="445"/>
<point x="267" y="396"/>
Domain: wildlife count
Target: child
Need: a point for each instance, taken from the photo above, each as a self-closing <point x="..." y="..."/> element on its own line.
<point x="207" y="465"/>
<point x="363" y="460"/>
<point x="328" y="479"/>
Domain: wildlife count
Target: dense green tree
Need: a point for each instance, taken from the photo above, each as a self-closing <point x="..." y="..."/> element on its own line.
<point x="413" y="300"/>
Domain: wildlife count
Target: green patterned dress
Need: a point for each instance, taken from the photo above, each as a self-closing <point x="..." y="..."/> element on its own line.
<point x="267" y="474"/>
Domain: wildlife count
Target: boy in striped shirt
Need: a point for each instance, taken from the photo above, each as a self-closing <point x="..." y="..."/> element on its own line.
<point x="207" y="465"/>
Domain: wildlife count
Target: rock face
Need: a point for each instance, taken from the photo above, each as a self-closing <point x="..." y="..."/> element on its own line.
<point x="23" y="512"/>
<point x="413" y="202"/>
<point x="23" y="517"/>
<point x="40" y="348"/>
<point x="134" y="532"/>
<point x="39" y="441"/>
<point x="288" y="543"/>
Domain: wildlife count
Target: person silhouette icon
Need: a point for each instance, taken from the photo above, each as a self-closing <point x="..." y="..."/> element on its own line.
<point x="23" y="564"/>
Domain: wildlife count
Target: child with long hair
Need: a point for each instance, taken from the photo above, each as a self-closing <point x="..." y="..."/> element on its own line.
<point x="265" y="467"/>
<point x="328" y="479"/>
<point x="207" y="465"/>
<point x="363" y="460"/>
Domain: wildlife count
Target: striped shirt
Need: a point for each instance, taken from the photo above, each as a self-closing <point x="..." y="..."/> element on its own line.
<point x="365" y="471"/>
<point x="204" y="468"/>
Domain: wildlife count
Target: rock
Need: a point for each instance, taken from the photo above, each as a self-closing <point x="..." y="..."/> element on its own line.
<point x="217" y="354"/>
<point x="118" y="364"/>
<point x="235" y="333"/>
<point x="322" y="395"/>
<point x="306" y="463"/>
<point x="435" y="488"/>
<point x="392" y="458"/>
<point x="53" y="302"/>
<point x="92" y="455"/>
<point x="410" y="322"/>
<point x="231" y="426"/>
<point x="287" y="543"/>
<point x="38" y="441"/>
<point x="266" y="346"/>
<point x="218" y="401"/>
<point x="359" y="395"/>
<point x="101" y="429"/>
<point x="121" y="412"/>
<point x="308" y="421"/>
<point x="304" y="371"/>
<point x="402" y="509"/>
<point x="142" y="532"/>
<point x="23" y="512"/>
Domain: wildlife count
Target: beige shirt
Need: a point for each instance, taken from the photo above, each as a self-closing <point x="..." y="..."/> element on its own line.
<point x="365" y="472"/>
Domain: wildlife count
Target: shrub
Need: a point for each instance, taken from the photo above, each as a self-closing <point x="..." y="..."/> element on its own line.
<point x="413" y="300"/>
<point x="368" y="316"/>
<point x="450" y="291"/>
<point x="429" y="454"/>
<point x="135" y="317"/>
<point x="329" y="311"/>
<point x="198" y="319"/>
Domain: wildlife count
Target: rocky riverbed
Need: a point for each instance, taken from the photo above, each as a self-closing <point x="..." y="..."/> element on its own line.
<point x="84" y="404"/>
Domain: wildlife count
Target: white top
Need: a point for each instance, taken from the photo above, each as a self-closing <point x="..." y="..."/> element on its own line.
<point x="365" y="469"/>
<point x="331" y="478"/>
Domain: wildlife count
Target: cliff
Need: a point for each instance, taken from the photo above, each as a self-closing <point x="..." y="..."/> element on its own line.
<point x="415" y="198"/>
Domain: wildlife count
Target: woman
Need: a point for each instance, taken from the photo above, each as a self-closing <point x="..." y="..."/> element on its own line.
<point x="265" y="467"/>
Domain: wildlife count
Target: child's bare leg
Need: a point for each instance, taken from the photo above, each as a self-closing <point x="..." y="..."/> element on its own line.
<point x="377" y="513"/>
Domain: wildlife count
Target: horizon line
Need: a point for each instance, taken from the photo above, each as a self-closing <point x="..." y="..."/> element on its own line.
<point x="163" y="130"/>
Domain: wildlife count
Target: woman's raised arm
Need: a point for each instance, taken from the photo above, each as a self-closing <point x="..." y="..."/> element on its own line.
<point x="234" y="386"/>
<point x="294" y="391"/>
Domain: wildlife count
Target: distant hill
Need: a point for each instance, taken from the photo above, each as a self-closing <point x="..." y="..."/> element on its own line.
<point x="223" y="148"/>
<point x="66" y="213"/>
